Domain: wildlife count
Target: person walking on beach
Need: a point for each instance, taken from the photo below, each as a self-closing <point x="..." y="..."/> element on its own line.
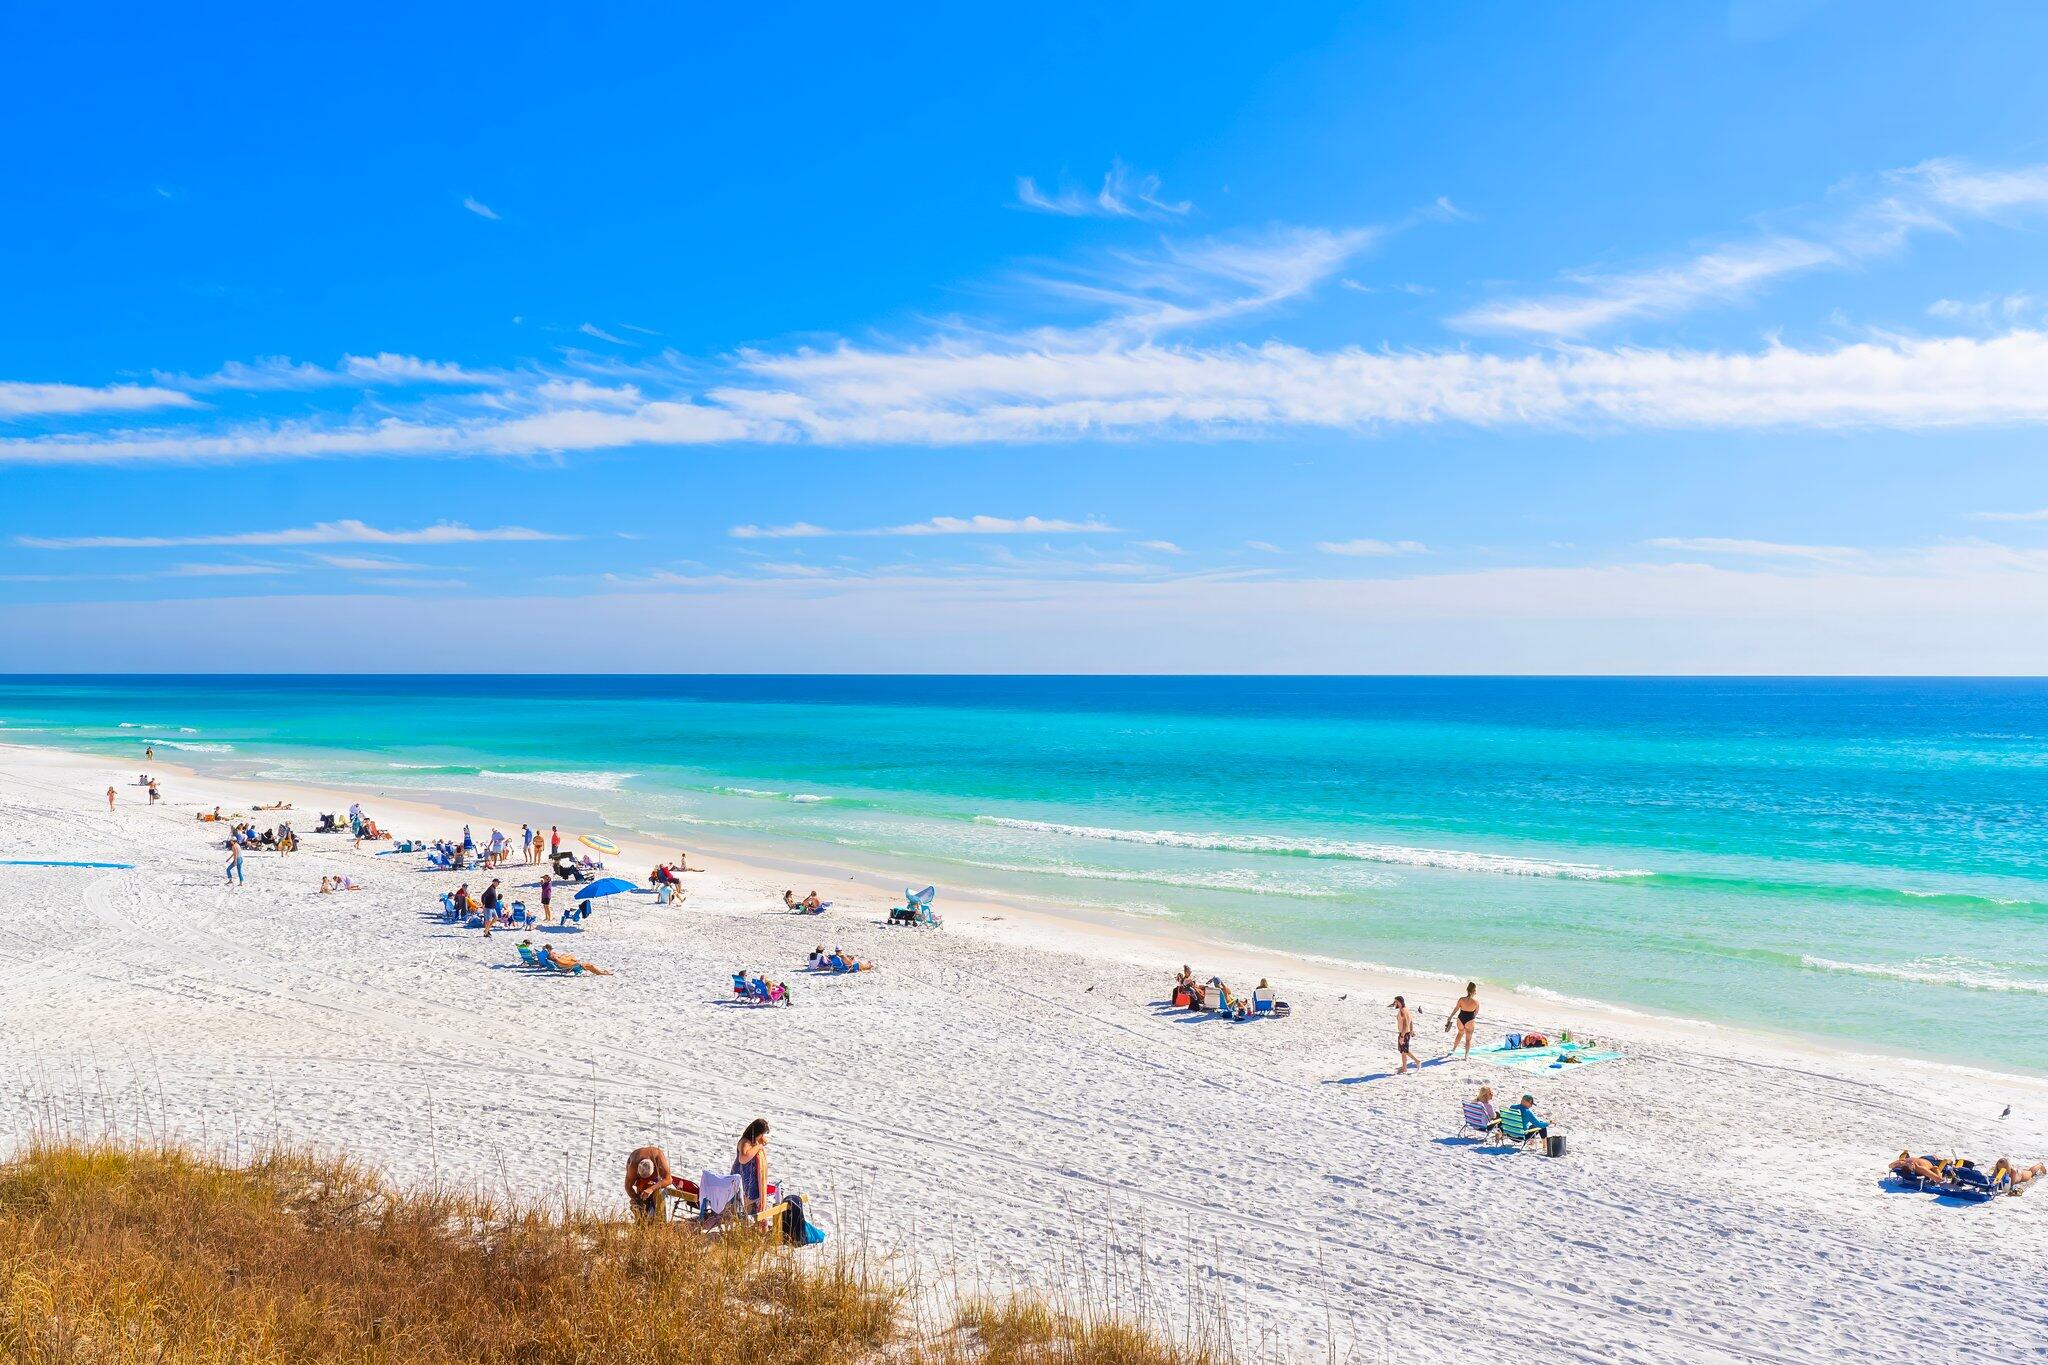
<point x="547" y="898"/>
<point x="1404" y="1035"/>
<point x="525" y="843"/>
<point x="234" y="868"/>
<point x="110" y="800"/>
<point x="1463" y="1014"/>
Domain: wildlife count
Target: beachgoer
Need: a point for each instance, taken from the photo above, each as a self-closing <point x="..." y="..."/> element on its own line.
<point x="2003" y="1172"/>
<point x="789" y="899"/>
<point x="647" y="1181"/>
<point x="526" y="843"/>
<point x="110" y="798"/>
<point x="1462" y="1014"/>
<point x="819" y="958"/>
<point x="547" y="898"/>
<point x="1917" y="1167"/>
<point x="154" y="794"/>
<point x="1404" y="1035"/>
<point x="1527" y="1110"/>
<point x="750" y="1163"/>
<point x="811" y="904"/>
<point x="149" y="752"/>
<point x="234" y="868"/>
<point x="561" y="962"/>
<point x="1485" y="1101"/>
<point x="554" y="841"/>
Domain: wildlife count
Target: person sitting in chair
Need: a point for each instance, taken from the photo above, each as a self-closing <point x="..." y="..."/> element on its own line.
<point x="1917" y="1167"/>
<point x="1537" y="1127"/>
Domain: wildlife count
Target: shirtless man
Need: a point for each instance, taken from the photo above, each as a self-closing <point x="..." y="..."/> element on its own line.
<point x="1404" y="1035"/>
<point x="647" y="1180"/>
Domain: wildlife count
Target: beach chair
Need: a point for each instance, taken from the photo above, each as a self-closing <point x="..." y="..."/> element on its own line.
<point x="528" y="956"/>
<point x="1478" y="1118"/>
<point x="1263" y="1004"/>
<point x="1516" y="1131"/>
<point x="448" y="906"/>
<point x="518" y="914"/>
<point x="721" y="1202"/>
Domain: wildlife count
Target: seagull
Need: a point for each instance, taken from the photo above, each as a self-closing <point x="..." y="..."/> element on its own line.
<point x="2008" y="1112"/>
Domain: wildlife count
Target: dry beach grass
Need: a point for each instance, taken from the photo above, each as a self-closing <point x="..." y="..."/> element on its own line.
<point x="113" y="1253"/>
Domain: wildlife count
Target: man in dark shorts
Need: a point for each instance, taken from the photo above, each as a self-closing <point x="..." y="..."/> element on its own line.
<point x="1404" y="1035"/>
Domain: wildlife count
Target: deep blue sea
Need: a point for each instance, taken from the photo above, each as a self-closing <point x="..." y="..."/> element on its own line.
<point x="1864" y="860"/>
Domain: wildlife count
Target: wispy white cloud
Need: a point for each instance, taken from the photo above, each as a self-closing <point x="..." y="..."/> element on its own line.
<point x="1755" y="549"/>
<point x="1165" y="547"/>
<point x="68" y="400"/>
<point x="1187" y="284"/>
<point x="281" y="373"/>
<point x="369" y="563"/>
<point x="2039" y="514"/>
<point x="343" y="532"/>
<point x="1931" y="197"/>
<point x="479" y="208"/>
<point x="1123" y="195"/>
<point x="936" y="526"/>
<point x="1367" y="548"/>
<point x="1264" y="547"/>
<point x="591" y="329"/>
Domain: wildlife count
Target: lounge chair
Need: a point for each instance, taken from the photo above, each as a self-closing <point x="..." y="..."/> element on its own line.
<point x="1516" y="1130"/>
<point x="721" y="1199"/>
<point x="1479" y="1118"/>
<point x="529" y="957"/>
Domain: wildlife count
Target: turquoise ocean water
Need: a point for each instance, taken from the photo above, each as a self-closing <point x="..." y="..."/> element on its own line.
<point x="1862" y="860"/>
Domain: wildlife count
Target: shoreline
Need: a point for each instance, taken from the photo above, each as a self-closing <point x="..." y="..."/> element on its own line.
<point x="1102" y="931"/>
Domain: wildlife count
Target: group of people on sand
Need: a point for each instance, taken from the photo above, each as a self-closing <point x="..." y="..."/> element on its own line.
<point x="651" y="1184"/>
<point x="838" y="960"/>
<point x="547" y="956"/>
<point x="1962" y="1175"/>
<point x="1214" y="995"/>
<point x="1532" y="1126"/>
<point x="1458" y="1023"/>
<point x="759" y="989"/>
<point x="809" y="905"/>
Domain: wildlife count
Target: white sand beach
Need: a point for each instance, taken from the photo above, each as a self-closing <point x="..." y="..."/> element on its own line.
<point x="1005" y="1101"/>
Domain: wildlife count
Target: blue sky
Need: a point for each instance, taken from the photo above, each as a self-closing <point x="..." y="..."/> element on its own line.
<point x="1484" y="338"/>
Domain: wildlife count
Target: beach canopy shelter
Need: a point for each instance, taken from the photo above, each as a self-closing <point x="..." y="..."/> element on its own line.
<point x="605" y="886"/>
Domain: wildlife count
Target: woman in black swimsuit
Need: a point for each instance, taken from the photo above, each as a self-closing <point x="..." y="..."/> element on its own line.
<point x="1463" y="1013"/>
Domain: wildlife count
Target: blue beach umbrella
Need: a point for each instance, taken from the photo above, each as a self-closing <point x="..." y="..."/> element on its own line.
<point x="605" y="886"/>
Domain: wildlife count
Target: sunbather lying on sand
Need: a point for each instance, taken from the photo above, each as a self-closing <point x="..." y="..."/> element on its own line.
<point x="328" y="884"/>
<point x="1917" y="1167"/>
<point x="563" y="963"/>
<point x="840" y="962"/>
<point x="2004" y="1172"/>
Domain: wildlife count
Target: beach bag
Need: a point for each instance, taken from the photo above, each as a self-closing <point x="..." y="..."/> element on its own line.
<point x="797" y="1230"/>
<point x="1514" y="1040"/>
<point x="1553" y="1144"/>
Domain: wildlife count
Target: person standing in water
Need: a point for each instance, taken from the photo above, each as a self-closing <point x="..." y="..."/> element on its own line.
<point x="1463" y="1014"/>
<point x="1404" y="1035"/>
<point x="149" y="752"/>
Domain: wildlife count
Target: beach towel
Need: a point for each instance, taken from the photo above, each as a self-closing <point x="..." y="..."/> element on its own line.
<point x="1547" y="1058"/>
<point x="716" y="1193"/>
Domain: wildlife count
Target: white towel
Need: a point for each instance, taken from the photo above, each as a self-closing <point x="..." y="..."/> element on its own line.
<point x="718" y="1192"/>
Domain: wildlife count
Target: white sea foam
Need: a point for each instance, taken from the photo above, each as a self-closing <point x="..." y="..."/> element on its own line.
<point x="1961" y="972"/>
<point x="1228" y="879"/>
<point x="1446" y="859"/>
<point x="1581" y="1003"/>
<point x="588" y="781"/>
<point x="768" y="794"/>
<point x="193" y="746"/>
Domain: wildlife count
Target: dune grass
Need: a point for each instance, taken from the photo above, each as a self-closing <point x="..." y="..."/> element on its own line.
<point x="115" y="1253"/>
